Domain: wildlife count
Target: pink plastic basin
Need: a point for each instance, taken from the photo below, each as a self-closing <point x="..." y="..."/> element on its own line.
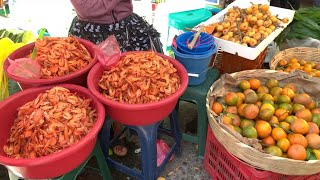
<point x="78" y="78"/>
<point x="138" y="114"/>
<point x="55" y="164"/>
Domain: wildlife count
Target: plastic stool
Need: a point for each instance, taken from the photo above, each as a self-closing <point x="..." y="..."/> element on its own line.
<point x="197" y="95"/>
<point x="147" y="138"/>
<point x="72" y="175"/>
<point x="185" y="19"/>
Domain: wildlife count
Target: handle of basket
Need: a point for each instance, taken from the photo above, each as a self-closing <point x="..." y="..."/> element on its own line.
<point x="195" y="38"/>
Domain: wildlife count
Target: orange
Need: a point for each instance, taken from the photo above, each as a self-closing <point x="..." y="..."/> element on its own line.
<point x="287" y="91"/>
<point x="240" y="109"/>
<point x="263" y="89"/>
<point x="260" y="94"/>
<point x="254" y="83"/>
<point x="226" y="120"/>
<point x="232" y="109"/>
<point x="235" y="119"/>
<point x="286" y="106"/>
<point x="283" y="62"/>
<point x="281" y="114"/>
<point x="289" y="119"/>
<point x="317" y="73"/>
<point x="297" y="107"/>
<point x="270" y="83"/>
<point x="273" y="150"/>
<point x="250" y="111"/>
<point x="274" y="120"/>
<point x="313" y="141"/>
<point x="304" y="114"/>
<point x="249" y="132"/>
<point x="283" y="99"/>
<point x="231" y="98"/>
<point x="263" y="128"/>
<point x="217" y="107"/>
<point x="278" y="133"/>
<point x="240" y="95"/>
<point x="251" y="98"/>
<point x="291" y="86"/>
<point x="297" y="152"/>
<point x="246" y="123"/>
<point x="302" y="62"/>
<point x="293" y="60"/>
<point x="298" y="139"/>
<point x="268" y="141"/>
<point x="275" y="91"/>
<point x="247" y="91"/>
<point x="307" y="68"/>
<point x="285" y="126"/>
<point x="313" y="128"/>
<point x="240" y="101"/>
<point x="244" y="85"/>
<point x="283" y="144"/>
<point x="303" y="99"/>
<point x="316" y="119"/>
<point x="300" y="126"/>
<point x="267" y="97"/>
<point x="295" y="65"/>
<point x="315" y="111"/>
<point x="266" y="114"/>
<point x="312" y="105"/>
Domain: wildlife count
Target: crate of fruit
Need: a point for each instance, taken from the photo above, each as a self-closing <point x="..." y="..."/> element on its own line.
<point x="268" y="119"/>
<point x="306" y="59"/>
<point x="246" y="29"/>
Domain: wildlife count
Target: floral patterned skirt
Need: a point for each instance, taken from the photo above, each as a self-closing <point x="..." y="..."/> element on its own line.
<point x="132" y="33"/>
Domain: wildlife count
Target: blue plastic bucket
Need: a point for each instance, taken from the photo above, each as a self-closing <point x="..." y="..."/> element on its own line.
<point x="195" y="64"/>
<point x="204" y="43"/>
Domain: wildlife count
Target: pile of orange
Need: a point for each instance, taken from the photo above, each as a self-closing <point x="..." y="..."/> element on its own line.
<point x="285" y="121"/>
<point x="312" y="68"/>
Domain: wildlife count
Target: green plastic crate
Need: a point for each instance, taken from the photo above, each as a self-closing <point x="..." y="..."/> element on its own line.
<point x="188" y="19"/>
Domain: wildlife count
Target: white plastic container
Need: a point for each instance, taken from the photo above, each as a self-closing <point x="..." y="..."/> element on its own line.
<point x="250" y="53"/>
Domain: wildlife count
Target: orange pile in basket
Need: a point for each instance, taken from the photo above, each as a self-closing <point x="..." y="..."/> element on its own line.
<point x="285" y="121"/>
<point x="312" y="68"/>
<point x="140" y="78"/>
<point x="60" y="56"/>
<point x="50" y="123"/>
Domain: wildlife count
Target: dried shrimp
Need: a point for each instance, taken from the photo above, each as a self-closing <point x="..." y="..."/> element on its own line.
<point x="61" y="56"/>
<point x="50" y="123"/>
<point x="140" y="78"/>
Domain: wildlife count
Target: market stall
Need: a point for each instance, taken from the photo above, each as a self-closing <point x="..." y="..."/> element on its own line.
<point x="252" y="123"/>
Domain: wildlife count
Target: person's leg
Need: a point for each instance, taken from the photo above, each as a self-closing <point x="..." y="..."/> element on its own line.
<point x="119" y="149"/>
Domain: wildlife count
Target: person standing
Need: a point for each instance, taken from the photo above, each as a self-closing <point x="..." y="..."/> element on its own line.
<point x="98" y="19"/>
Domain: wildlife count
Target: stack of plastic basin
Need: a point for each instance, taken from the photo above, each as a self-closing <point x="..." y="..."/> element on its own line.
<point x="195" y="60"/>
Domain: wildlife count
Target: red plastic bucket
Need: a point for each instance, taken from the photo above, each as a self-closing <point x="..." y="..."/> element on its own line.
<point x="78" y="78"/>
<point x="55" y="164"/>
<point x="138" y="114"/>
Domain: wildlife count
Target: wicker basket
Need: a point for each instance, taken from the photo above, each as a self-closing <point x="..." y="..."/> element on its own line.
<point x="305" y="53"/>
<point x="232" y="140"/>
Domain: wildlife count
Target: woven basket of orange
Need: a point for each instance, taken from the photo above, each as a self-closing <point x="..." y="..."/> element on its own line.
<point x="268" y="119"/>
<point x="305" y="59"/>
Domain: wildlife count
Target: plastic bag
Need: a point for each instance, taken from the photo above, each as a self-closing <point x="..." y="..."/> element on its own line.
<point x="308" y="42"/>
<point x="162" y="151"/>
<point x="108" y="52"/>
<point x="25" y="67"/>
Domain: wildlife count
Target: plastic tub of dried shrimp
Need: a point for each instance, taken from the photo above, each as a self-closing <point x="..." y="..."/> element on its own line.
<point x="62" y="60"/>
<point x="48" y="131"/>
<point x="141" y="89"/>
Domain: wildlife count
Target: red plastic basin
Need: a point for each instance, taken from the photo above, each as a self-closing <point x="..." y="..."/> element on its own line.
<point x="78" y="78"/>
<point x="55" y="164"/>
<point x="138" y="114"/>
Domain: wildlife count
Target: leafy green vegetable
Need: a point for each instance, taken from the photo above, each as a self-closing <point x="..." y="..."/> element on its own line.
<point x="306" y="23"/>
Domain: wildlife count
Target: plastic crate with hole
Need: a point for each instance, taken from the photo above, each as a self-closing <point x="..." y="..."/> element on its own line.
<point x="230" y="63"/>
<point x="221" y="165"/>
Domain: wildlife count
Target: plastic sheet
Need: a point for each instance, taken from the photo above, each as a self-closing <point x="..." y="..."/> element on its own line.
<point x="25" y="67"/>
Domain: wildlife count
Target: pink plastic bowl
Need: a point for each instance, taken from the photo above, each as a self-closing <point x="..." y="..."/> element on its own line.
<point x="55" y="164"/>
<point x="138" y="114"/>
<point x="78" y="78"/>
